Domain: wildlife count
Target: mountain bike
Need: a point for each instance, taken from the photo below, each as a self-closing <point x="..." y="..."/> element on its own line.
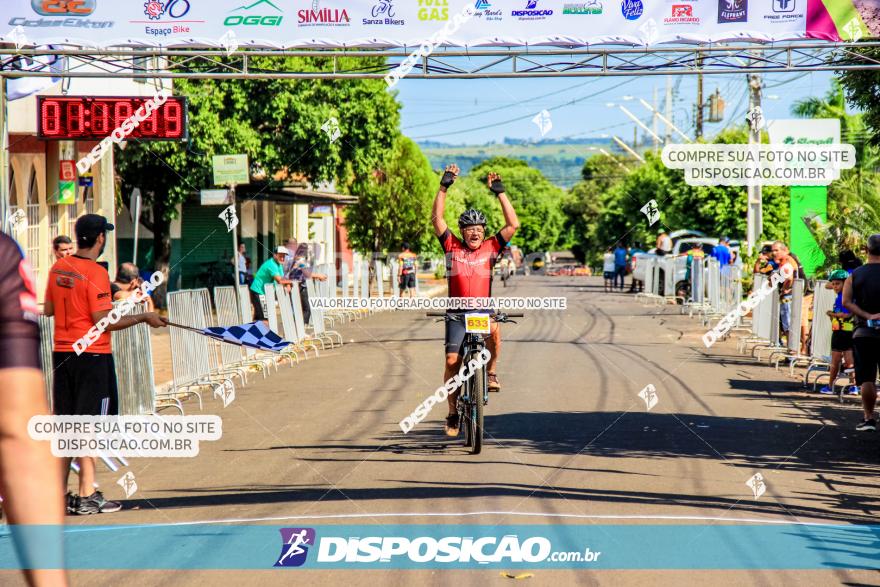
<point x="474" y="391"/>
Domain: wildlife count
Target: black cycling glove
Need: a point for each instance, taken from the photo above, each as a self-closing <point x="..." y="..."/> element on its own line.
<point x="448" y="179"/>
<point x="497" y="187"/>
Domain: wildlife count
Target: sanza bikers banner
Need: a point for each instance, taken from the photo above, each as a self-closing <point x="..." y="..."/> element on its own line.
<point x="406" y="23"/>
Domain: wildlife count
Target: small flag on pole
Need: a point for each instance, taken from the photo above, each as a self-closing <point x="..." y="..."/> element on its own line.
<point x="254" y="334"/>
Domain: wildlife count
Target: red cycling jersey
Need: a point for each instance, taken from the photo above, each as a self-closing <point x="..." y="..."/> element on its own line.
<point x="470" y="271"/>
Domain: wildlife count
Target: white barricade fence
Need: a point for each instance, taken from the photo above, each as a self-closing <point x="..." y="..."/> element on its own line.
<point x="668" y="264"/>
<point x="418" y="291"/>
<point x="761" y="313"/>
<point x="648" y="264"/>
<point x="823" y="301"/>
<point x="189" y="350"/>
<point x="698" y="284"/>
<point x="47" y="341"/>
<point x="356" y="277"/>
<point x="346" y="280"/>
<point x="318" y="328"/>
<point x="133" y="357"/>
<point x="713" y="285"/>
<point x="365" y="279"/>
<point x="797" y="317"/>
<point x="380" y="278"/>
<point x="228" y="314"/>
<point x="395" y="282"/>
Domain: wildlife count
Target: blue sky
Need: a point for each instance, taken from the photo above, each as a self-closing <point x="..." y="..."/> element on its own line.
<point x="460" y="106"/>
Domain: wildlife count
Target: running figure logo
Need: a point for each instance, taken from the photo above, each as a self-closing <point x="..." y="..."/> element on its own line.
<point x="128" y="483"/>
<point x="652" y="211"/>
<point x="649" y="394"/>
<point x="756" y="483"/>
<point x="294" y="547"/>
<point x="229" y="217"/>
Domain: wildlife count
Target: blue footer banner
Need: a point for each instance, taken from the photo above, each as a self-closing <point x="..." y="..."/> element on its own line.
<point x="439" y="546"/>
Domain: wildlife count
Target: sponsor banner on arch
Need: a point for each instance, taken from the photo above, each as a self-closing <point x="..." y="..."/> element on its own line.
<point x="405" y="23"/>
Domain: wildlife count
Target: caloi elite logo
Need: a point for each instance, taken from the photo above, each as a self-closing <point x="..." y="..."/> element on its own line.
<point x="295" y="543"/>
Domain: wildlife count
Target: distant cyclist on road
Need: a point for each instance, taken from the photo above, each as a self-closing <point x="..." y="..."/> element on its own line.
<point x="469" y="263"/>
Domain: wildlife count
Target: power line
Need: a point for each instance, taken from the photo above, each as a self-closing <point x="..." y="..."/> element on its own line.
<point x="569" y="103"/>
<point x="503" y="107"/>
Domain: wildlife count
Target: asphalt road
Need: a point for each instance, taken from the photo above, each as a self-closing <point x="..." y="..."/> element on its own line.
<point x="568" y="440"/>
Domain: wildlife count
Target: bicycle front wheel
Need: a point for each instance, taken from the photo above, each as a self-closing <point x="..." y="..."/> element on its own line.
<point x="478" y="391"/>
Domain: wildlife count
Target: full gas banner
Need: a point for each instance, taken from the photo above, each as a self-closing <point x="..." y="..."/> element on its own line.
<point x="407" y="23"/>
<point x="807" y="202"/>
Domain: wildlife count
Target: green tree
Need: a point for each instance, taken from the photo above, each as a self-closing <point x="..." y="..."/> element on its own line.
<point x="277" y="123"/>
<point x="394" y="202"/>
<point x="586" y="199"/>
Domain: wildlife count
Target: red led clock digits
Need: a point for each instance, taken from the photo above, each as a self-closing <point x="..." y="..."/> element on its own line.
<point x="50" y="116"/>
<point x="95" y="119"/>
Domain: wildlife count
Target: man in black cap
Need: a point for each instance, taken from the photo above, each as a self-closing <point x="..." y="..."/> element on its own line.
<point x="84" y="382"/>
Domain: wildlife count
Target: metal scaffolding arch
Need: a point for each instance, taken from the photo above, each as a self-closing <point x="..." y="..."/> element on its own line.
<point x="448" y="63"/>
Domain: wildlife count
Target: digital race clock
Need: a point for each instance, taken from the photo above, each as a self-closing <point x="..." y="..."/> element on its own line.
<point x="93" y="119"/>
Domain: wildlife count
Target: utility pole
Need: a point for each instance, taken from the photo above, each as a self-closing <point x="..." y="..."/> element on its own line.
<point x="635" y="137"/>
<point x="668" y="134"/>
<point x="699" y="113"/>
<point x="654" y="121"/>
<point x="754" y="220"/>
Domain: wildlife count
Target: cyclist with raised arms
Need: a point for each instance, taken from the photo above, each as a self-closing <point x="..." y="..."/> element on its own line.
<point x="469" y="263"/>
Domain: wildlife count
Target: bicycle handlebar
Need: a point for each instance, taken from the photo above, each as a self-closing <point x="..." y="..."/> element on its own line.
<point x="444" y="314"/>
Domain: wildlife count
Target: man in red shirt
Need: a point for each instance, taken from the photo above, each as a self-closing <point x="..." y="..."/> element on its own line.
<point x="84" y="380"/>
<point x="469" y="263"/>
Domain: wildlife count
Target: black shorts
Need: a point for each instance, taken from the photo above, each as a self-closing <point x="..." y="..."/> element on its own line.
<point x="841" y="340"/>
<point x="84" y="385"/>
<point x="408" y="281"/>
<point x="867" y="356"/>
<point x="257" y="305"/>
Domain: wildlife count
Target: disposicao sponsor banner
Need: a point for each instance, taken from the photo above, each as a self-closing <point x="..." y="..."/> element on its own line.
<point x="301" y="545"/>
<point x="406" y="23"/>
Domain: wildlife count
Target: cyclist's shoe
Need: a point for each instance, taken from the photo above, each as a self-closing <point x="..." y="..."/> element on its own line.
<point x="72" y="502"/>
<point x="494" y="385"/>
<point x="452" y="425"/>
<point x="96" y="504"/>
<point x="867" y="426"/>
<point x="854" y="390"/>
<point x="826" y="391"/>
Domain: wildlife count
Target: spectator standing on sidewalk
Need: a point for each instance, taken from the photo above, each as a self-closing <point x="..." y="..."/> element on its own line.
<point x="620" y="264"/>
<point x="272" y="270"/>
<point x="78" y="296"/>
<point x="861" y="296"/>
<point x="62" y="246"/>
<point x="783" y="258"/>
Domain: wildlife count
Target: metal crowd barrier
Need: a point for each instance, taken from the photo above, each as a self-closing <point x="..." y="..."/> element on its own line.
<point x="793" y="343"/>
<point x="395" y="284"/>
<point x="651" y="285"/>
<point x="133" y="357"/>
<point x="293" y="330"/>
<point x="820" y="337"/>
<point x="47" y="341"/>
<point x="318" y="328"/>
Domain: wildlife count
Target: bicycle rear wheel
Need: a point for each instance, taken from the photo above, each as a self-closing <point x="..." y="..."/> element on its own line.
<point x="478" y="389"/>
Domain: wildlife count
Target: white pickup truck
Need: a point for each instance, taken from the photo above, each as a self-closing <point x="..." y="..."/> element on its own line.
<point x="679" y="249"/>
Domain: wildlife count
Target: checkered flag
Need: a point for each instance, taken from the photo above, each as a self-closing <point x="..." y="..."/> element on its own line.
<point x="254" y="334"/>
